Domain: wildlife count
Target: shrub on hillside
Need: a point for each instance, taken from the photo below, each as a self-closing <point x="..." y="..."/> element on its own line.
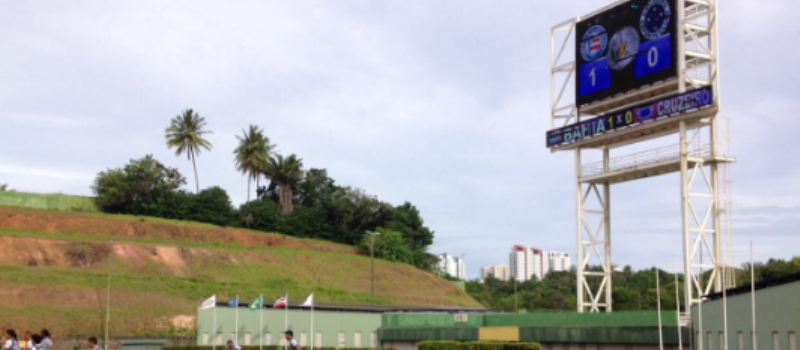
<point x="262" y="214"/>
<point x="138" y="188"/>
<point x="212" y="205"/>
<point x="438" y="345"/>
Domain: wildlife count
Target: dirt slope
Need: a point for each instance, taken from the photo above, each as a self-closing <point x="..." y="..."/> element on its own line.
<point x="54" y="268"/>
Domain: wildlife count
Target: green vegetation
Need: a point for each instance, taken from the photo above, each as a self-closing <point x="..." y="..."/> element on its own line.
<point x="633" y="290"/>
<point x="4" y="188"/>
<point x="252" y="153"/>
<point x="55" y="269"/>
<point x="476" y="345"/>
<point x="297" y="203"/>
<point x="185" y="134"/>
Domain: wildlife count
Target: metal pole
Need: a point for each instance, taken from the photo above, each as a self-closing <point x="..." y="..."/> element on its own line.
<point x="261" y="323"/>
<point x="108" y="297"/>
<point x="658" y="304"/>
<point x="372" y="266"/>
<point x="286" y="323"/>
<point x="724" y="308"/>
<point x="753" y="298"/>
<point x="214" y="335"/>
<point x="579" y="208"/>
<point x="607" y="231"/>
<point x="687" y="258"/>
<point x="678" y="311"/>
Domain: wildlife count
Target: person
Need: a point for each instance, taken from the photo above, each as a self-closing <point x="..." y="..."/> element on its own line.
<point x="11" y="342"/>
<point x="292" y="342"/>
<point x="28" y="341"/>
<point x="47" y="342"/>
<point x="77" y="343"/>
<point x="232" y="346"/>
<point x="93" y="344"/>
<point x="37" y="342"/>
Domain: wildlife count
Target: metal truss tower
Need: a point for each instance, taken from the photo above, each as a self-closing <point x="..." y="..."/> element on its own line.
<point x="697" y="157"/>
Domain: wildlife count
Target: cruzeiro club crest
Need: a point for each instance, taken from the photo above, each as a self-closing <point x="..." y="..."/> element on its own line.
<point x="594" y="43"/>
<point x="655" y="19"/>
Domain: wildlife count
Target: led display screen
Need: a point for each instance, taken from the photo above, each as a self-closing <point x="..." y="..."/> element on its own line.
<point x="624" y="48"/>
<point x="627" y="117"/>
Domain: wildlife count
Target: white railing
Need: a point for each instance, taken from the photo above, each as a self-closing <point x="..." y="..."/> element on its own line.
<point x="635" y="160"/>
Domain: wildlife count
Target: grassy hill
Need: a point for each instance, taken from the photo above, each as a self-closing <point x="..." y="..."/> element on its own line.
<point x="54" y="268"/>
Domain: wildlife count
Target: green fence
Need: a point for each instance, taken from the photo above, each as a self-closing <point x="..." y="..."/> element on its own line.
<point x="55" y="201"/>
<point x="566" y="319"/>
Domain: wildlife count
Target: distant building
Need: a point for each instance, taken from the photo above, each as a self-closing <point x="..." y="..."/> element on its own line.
<point x="499" y="271"/>
<point x="453" y="266"/>
<point x="560" y="261"/>
<point x="527" y="262"/>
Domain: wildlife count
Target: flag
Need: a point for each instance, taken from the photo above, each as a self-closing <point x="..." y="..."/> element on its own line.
<point x="309" y="301"/>
<point x="282" y="302"/>
<point x="209" y="303"/>
<point x="234" y="302"/>
<point x="595" y="44"/>
<point x="256" y="304"/>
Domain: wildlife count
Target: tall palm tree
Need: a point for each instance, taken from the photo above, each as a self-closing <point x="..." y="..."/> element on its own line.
<point x="185" y="133"/>
<point x="286" y="173"/>
<point x="252" y="154"/>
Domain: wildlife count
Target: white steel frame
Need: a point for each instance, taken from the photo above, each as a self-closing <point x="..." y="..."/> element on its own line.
<point x="698" y="65"/>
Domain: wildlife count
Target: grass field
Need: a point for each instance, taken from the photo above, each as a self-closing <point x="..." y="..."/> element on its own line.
<point x="54" y="269"/>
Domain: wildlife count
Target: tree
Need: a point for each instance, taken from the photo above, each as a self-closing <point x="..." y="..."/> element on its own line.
<point x="285" y="173"/>
<point x="185" y="134"/>
<point x="252" y="154"/>
<point x="389" y="245"/>
<point x="4" y="188"/>
<point x="212" y="205"/>
<point x="141" y="187"/>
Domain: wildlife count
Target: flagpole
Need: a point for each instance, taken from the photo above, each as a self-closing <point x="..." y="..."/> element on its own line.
<point x="286" y="322"/>
<point x="658" y="302"/>
<point x="214" y="334"/>
<point x="236" y="323"/>
<point x="678" y="310"/>
<point x="753" y="297"/>
<point x="313" y="337"/>
<point x="261" y="322"/>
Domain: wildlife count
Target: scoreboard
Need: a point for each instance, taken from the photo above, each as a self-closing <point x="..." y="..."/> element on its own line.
<point x="624" y="48"/>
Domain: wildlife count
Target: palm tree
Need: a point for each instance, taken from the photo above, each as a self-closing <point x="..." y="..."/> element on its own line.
<point x="252" y="154"/>
<point x="185" y="133"/>
<point x="286" y="173"/>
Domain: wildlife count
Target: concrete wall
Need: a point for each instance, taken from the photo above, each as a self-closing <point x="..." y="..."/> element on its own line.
<point x="329" y="325"/>
<point x="777" y="316"/>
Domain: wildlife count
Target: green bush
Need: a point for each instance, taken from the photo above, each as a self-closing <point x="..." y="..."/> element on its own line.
<point x="439" y="345"/>
<point x="476" y="345"/>
<point x="482" y="345"/>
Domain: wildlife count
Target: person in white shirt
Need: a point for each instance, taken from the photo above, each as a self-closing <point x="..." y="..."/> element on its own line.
<point x="293" y="344"/>
<point x="47" y="342"/>
<point x="11" y="342"/>
<point x="93" y="344"/>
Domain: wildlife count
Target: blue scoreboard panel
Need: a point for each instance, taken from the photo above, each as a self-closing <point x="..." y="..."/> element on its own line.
<point x="624" y="48"/>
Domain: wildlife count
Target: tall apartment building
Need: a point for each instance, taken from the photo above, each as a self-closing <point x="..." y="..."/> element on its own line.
<point x="453" y="266"/>
<point x="560" y="261"/>
<point x="499" y="271"/>
<point x="526" y="262"/>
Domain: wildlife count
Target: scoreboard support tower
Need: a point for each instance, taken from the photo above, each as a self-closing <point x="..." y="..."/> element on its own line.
<point x="696" y="158"/>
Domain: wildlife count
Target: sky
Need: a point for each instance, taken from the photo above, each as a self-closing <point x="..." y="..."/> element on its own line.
<point x="441" y="103"/>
